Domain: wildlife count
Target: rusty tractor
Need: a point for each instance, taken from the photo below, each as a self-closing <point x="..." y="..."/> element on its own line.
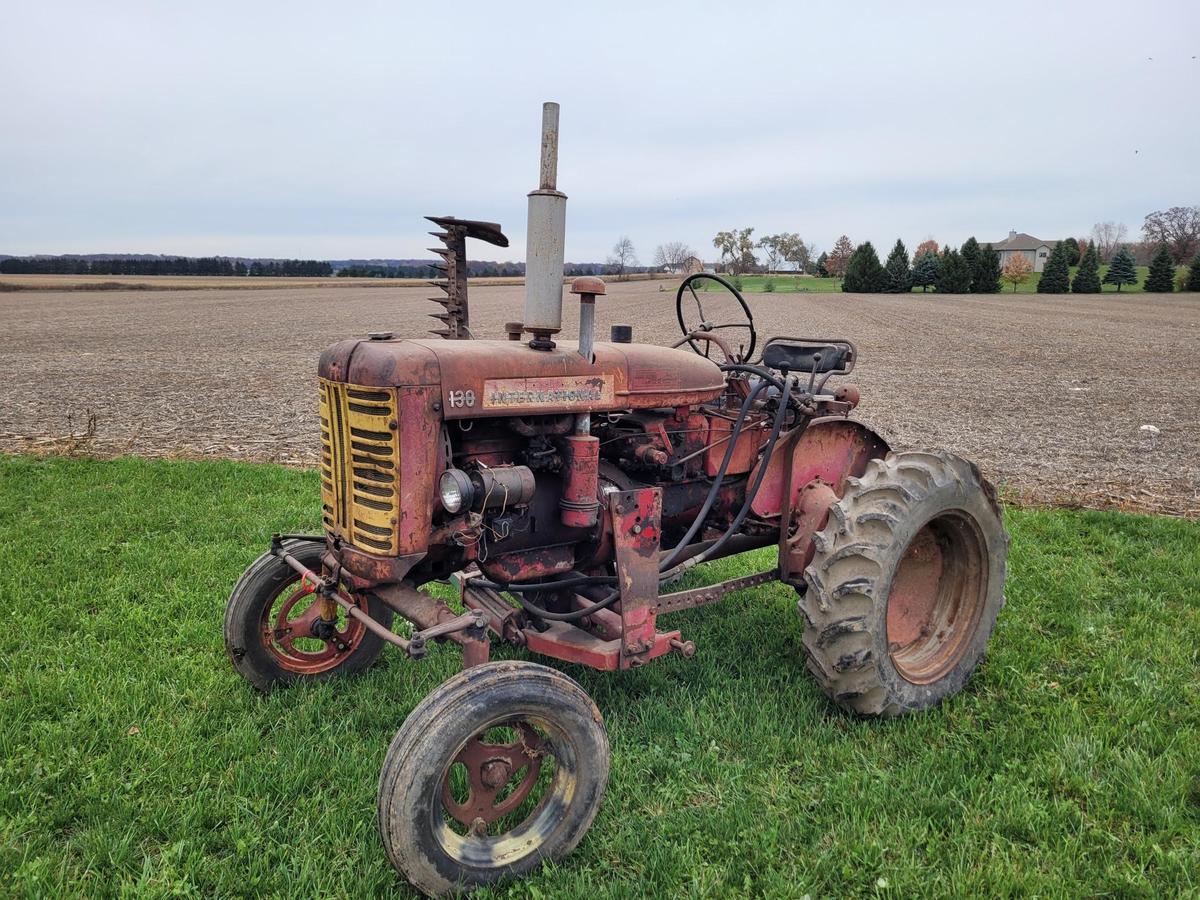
<point x="562" y="488"/>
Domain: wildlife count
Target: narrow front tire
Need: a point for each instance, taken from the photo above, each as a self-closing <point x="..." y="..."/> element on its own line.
<point x="275" y="633"/>
<point x="501" y="767"/>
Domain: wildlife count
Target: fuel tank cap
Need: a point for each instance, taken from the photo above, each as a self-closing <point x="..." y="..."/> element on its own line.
<point x="380" y="335"/>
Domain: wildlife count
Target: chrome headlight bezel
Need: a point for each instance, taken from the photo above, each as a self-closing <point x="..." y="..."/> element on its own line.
<point x="455" y="491"/>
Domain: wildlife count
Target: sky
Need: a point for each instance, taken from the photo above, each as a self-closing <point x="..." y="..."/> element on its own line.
<point x="327" y="130"/>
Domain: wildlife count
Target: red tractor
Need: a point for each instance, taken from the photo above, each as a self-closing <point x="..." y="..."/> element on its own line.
<point x="561" y="488"/>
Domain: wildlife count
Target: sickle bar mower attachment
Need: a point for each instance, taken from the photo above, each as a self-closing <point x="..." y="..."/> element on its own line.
<point x="457" y="318"/>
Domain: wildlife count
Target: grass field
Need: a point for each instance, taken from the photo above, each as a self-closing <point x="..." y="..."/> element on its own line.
<point x="133" y="761"/>
<point x="783" y="284"/>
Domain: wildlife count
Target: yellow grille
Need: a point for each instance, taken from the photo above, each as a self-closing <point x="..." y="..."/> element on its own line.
<point x="360" y="464"/>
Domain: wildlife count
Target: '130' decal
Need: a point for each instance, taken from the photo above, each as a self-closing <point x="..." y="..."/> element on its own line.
<point x="461" y="398"/>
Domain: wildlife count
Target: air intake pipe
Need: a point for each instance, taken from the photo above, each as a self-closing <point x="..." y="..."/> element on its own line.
<point x="544" y="242"/>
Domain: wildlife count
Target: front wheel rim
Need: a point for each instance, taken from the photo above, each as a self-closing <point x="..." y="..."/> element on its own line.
<point x="514" y="797"/>
<point x="286" y="629"/>
<point x="936" y="598"/>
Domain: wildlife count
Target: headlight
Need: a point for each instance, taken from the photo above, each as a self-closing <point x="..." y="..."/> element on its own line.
<point x="455" y="490"/>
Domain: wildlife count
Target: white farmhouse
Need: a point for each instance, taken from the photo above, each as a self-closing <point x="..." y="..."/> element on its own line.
<point x="1033" y="249"/>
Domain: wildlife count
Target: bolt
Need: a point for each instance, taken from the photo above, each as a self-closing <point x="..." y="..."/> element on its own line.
<point x="479" y="827"/>
<point x="393" y="424"/>
<point x="637" y="529"/>
<point x="687" y="648"/>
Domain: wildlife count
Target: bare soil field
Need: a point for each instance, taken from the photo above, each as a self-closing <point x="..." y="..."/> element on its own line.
<point x="1047" y="393"/>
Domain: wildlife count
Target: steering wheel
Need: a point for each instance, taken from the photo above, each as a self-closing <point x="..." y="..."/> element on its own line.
<point x="744" y="352"/>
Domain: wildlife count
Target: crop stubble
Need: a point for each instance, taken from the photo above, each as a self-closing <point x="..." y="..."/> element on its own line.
<point x="1047" y="394"/>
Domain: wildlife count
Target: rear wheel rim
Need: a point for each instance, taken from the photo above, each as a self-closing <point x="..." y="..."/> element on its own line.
<point x="936" y="598"/>
<point x="286" y="628"/>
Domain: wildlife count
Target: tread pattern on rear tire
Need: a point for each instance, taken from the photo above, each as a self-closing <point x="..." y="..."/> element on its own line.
<point x="844" y="607"/>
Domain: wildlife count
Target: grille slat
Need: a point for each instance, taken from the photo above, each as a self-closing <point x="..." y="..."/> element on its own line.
<point x="359" y="465"/>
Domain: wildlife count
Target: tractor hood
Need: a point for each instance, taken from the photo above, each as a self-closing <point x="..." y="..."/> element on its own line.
<point x="505" y="378"/>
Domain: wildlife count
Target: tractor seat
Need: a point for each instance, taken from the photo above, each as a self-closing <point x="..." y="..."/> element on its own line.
<point x="806" y="357"/>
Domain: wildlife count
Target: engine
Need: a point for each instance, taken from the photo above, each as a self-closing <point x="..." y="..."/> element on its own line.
<point x="439" y="454"/>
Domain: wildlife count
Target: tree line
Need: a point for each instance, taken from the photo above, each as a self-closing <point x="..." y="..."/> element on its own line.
<point x="176" y="265"/>
<point x="1122" y="270"/>
<point x="278" y="268"/>
<point x="973" y="268"/>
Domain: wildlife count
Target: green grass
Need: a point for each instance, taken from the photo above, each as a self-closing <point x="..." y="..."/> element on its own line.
<point x="1030" y="286"/>
<point x="784" y="284"/>
<point x="133" y="761"/>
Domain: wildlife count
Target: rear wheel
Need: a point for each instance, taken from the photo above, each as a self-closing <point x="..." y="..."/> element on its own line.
<point x="502" y="767"/>
<point x="276" y="629"/>
<point x="905" y="584"/>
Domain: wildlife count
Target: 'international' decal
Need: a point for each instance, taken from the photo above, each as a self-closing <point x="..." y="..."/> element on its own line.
<point x="568" y="392"/>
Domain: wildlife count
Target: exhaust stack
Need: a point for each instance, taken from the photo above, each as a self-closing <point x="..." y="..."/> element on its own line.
<point x="544" y="243"/>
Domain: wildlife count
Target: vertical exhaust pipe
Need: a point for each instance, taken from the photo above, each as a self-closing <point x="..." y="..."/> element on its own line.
<point x="544" y="242"/>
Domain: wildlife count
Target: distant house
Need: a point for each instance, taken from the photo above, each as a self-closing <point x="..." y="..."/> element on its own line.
<point x="1033" y="249"/>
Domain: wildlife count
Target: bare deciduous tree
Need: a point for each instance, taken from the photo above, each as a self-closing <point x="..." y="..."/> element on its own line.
<point x="803" y="254"/>
<point x="1178" y="228"/>
<point x="737" y="249"/>
<point x="1109" y="236"/>
<point x="793" y="249"/>
<point x="771" y="245"/>
<point x="673" y="255"/>
<point x="623" y="256"/>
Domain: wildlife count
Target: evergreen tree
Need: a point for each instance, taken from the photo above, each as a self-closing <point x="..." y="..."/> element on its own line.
<point x="1087" y="279"/>
<point x="864" y="274"/>
<point x="1121" y="270"/>
<point x="1074" y="251"/>
<point x="1193" y="277"/>
<point x="1161" y="279"/>
<point x="987" y="272"/>
<point x="821" y="260"/>
<point x="1056" y="277"/>
<point x="926" y="270"/>
<point x="899" y="278"/>
<point x="969" y="252"/>
<point x="954" y="276"/>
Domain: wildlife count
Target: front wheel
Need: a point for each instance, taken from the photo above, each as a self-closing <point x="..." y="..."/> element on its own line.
<point x="277" y="631"/>
<point x="905" y="584"/>
<point x="501" y="767"/>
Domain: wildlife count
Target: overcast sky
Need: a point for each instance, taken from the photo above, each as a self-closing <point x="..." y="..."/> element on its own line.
<point x="328" y="130"/>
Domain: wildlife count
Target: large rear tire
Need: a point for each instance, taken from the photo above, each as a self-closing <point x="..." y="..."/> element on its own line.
<point x="905" y="584"/>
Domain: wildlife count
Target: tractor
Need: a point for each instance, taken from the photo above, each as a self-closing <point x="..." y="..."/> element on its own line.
<point x="561" y="489"/>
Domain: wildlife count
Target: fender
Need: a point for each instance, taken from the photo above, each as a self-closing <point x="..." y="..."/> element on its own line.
<point x="830" y="450"/>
